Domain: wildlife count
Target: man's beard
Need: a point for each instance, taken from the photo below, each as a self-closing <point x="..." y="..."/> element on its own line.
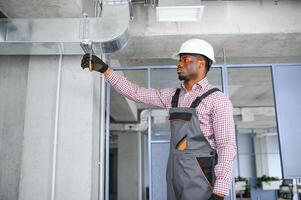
<point x="183" y="78"/>
<point x="192" y="72"/>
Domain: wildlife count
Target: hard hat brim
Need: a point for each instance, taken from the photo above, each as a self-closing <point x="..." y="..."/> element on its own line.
<point x="176" y="56"/>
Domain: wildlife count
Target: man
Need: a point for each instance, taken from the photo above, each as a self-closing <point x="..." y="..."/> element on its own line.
<point x="202" y="144"/>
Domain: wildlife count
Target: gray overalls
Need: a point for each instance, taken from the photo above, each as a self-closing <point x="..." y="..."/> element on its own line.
<point x="190" y="169"/>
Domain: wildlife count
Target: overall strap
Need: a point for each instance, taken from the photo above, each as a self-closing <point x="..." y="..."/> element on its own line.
<point x="175" y="98"/>
<point x="198" y="100"/>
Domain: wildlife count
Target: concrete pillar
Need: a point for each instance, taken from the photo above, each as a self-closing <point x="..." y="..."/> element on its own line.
<point x="38" y="129"/>
<point x="273" y="156"/>
<point x="79" y="106"/>
<point x="79" y="119"/>
<point x="127" y="166"/>
<point x="13" y="83"/>
<point x="261" y="156"/>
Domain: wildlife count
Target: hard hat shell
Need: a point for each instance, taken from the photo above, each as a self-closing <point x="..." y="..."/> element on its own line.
<point x="196" y="46"/>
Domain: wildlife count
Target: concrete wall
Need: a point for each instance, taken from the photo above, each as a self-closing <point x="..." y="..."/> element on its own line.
<point x="38" y="130"/>
<point x="78" y="132"/>
<point x="13" y="84"/>
<point x="28" y="88"/>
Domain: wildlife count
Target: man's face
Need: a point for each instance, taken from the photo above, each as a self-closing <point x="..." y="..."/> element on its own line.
<point x="188" y="66"/>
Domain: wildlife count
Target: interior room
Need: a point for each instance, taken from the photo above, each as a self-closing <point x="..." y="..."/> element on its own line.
<point x="67" y="133"/>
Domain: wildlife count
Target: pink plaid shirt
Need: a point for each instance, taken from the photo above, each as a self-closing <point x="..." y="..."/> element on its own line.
<point x="215" y="114"/>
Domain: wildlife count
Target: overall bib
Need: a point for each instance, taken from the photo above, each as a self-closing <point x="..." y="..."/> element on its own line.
<point x="190" y="168"/>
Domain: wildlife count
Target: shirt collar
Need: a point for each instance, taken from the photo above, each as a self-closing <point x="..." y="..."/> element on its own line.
<point x="201" y="84"/>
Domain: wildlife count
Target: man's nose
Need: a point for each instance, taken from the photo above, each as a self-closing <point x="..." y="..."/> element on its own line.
<point x="180" y="64"/>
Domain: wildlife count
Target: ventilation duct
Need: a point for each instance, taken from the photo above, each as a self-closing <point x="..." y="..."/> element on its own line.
<point x="51" y="36"/>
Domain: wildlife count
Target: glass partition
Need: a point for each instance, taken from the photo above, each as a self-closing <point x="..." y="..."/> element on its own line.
<point x="128" y="144"/>
<point x="251" y="93"/>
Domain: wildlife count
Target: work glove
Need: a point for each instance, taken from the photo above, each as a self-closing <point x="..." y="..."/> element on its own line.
<point x="97" y="63"/>
<point x="216" y="197"/>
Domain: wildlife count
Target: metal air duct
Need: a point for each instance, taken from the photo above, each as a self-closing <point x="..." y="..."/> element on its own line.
<point x="49" y="36"/>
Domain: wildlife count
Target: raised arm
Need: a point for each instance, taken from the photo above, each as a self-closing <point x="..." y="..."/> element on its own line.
<point x="152" y="97"/>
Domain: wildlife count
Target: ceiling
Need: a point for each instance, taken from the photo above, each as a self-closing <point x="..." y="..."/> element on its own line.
<point x="246" y="31"/>
<point x="243" y="48"/>
<point x="271" y="36"/>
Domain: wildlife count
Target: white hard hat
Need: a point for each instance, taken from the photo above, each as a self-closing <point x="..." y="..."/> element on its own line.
<point x="196" y="46"/>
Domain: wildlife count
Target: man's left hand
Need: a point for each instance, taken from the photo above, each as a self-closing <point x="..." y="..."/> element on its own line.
<point x="216" y="197"/>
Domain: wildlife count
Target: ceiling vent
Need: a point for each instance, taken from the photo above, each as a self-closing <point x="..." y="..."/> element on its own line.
<point x="179" y="10"/>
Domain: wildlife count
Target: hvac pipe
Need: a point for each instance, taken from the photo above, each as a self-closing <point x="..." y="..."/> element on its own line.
<point x="42" y="36"/>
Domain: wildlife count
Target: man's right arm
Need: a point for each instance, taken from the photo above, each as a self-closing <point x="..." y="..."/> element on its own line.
<point x="152" y="97"/>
